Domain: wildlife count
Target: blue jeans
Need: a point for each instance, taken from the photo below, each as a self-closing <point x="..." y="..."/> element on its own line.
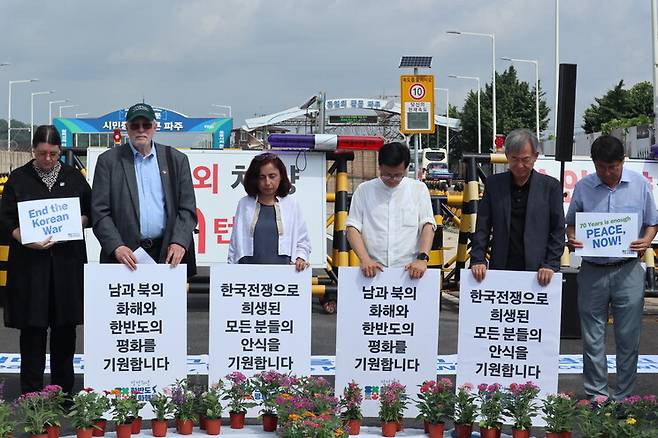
<point x="620" y="288"/>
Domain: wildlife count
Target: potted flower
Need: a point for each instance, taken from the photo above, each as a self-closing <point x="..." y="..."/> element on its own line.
<point x="559" y="414"/>
<point x="122" y="407"/>
<point x="392" y="404"/>
<point x="642" y="409"/>
<point x="465" y="411"/>
<point x="350" y="402"/>
<point x="84" y="413"/>
<point x="435" y="404"/>
<point x="597" y="417"/>
<point x="490" y="398"/>
<point x="212" y="408"/>
<point x="184" y="403"/>
<point x="7" y="422"/>
<point x="162" y="408"/>
<point x="238" y="395"/>
<point x="135" y="407"/>
<point x="269" y="384"/>
<point x="519" y="405"/>
<point x="36" y="412"/>
<point x="98" y="408"/>
<point x="55" y="398"/>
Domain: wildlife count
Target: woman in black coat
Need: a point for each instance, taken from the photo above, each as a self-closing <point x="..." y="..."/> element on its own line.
<point x="45" y="279"/>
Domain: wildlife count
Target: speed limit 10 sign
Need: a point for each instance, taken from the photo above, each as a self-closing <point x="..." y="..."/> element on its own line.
<point x="417" y="104"/>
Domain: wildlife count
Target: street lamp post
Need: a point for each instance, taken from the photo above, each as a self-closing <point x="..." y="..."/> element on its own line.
<point x="66" y="106"/>
<point x="80" y="114"/>
<point x="493" y="74"/>
<point x="223" y="106"/>
<point x="22" y="81"/>
<point x="447" y="91"/>
<point x="531" y="61"/>
<point x="475" y="78"/>
<point x="50" y="108"/>
<point x="38" y="93"/>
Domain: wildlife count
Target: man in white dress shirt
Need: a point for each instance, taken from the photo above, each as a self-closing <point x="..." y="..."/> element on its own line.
<point x="391" y="223"/>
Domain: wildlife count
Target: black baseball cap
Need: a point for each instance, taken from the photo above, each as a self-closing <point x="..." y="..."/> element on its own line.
<point x="140" y="110"/>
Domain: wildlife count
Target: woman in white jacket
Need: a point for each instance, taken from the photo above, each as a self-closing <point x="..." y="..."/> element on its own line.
<point x="268" y="227"/>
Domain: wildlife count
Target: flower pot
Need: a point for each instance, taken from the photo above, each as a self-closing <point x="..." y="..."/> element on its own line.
<point x="202" y="422"/>
<point x="52" y="431"/>
<point x="269" y="422"/>
<point x="354" y="427"/>
<point x="436" y="430"/>
<point x="553" y="434"/>
<point x="123" y="430"/>
<point x="159" y="427"/>
<point x="489" y="432"/>
<point x="463" y="430"/>
<point x="565" y="434"/>
<point x="136" y="425"/>
<point x="39" y="435"/>
<point x="185" y="427"/>
<point x="400" y="424"/>
<point x="520" y="433"/>
<point x="237" y="420"/>
<point x="213" y="426"/>
<point x="426" y="426"/>
<point x="87" y="432"/>
<point x="99" y="427"/>
<point x="389" y="428"/>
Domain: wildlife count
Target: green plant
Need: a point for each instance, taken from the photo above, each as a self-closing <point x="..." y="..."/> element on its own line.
<point x="491" y="405"/>
<point x="308" y="424"/>
<point x="393" y="401"/>
<point x="465" y="407"/>
<point x="597" y="417"/>
<point x="37" y="411"/>
<point x="162" y="406"/>
<point x="436" y="401"/>
<point x="239" y="393"/>
<point x="269" y="385"/>
<point x="210" y="401"/>
<point x="87" y="407"/>
<point x="351" y="402"/>
<point x="135" y="405"/>
<point x="184" y="401"/>
<point x="7" y="422"/>
<point x="122" y="407"/>
<point x="519" y="404"/>
<point x="559" y="412"/>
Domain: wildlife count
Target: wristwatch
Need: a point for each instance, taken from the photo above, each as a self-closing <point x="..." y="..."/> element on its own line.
<point x="423" y="256"/>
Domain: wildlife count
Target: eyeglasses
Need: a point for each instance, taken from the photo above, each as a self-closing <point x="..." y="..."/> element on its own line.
<point x="524" y="160"/>
<point x="44" y="154"/>
<point x="392" y="177"/>
<point x="144" y="125"/>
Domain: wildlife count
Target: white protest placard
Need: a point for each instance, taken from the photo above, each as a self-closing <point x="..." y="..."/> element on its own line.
<point x="58" y="218"/>
<point x="217" y="176"/>
<point x="509" y="329"/>
<point x="387" y="328"/>
<point x="606" y="234"/>
<point x="135" y="328"/>
<point x="260" y="320"/>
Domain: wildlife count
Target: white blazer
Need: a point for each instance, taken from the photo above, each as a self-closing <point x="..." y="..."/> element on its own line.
<point x="293" y="238"/>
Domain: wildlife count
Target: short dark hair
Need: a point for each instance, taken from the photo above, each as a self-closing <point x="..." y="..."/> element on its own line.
<point x="392" y="154"/>
<point x="46" y="134"/>
<point x="607" y="149"/>
<point x="252" y="175"/>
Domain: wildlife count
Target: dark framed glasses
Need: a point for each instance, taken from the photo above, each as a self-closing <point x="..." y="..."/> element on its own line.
<point x="144" y="125"/>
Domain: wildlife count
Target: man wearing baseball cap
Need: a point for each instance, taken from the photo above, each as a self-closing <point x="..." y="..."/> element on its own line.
<point x="142" y="196"/>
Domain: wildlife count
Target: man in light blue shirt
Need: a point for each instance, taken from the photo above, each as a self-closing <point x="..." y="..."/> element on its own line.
<point x="152" y="220"/>
<point x="616" y="283"/>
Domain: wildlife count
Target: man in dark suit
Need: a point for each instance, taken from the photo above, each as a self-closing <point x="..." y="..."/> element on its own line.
<point x="520" y="216"/>
<point x="142" y="195"/>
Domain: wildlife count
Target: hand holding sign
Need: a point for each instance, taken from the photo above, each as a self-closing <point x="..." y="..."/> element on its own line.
<point x="58" y="218"/>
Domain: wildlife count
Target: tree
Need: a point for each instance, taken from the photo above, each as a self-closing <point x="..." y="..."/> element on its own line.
<point x="619" y="104"/>
<point x="515" y="108"/>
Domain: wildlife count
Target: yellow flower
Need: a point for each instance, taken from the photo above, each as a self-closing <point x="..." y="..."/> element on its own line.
<point x="294" y="417"/>
<point x="631" y="421"/>
<point x="286" y="396"/>
<point x="308" y="414"/>
<point x="340" y="432"/>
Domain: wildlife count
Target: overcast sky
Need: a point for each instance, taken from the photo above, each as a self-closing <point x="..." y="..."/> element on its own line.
<point x="262" y="56"/>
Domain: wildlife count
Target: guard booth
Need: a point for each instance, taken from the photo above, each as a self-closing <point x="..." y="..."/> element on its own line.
<point x="174" y="129"/>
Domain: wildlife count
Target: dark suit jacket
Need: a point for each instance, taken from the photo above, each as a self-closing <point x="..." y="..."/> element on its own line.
<point x="115" y="201"/>
<point x="543" y="236"/>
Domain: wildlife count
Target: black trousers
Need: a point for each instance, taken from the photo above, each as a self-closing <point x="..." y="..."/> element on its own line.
<point x="33" y="357"/>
